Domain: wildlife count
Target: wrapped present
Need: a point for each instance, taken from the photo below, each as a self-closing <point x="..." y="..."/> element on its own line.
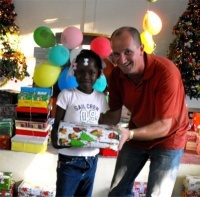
<point x="6" y="126"/>
<point x="8" y="110"/>
<point x="32" y="131"/>
<point x="139" y="189"/>
<point x="9" y="192"/>
<point x="31" y="144"/>
<point x="8" y="97"/>
<point x="5" y="142"/>
<point x="86" y="135"/>
<point x="198" y="145"/>
<point x="191" y="183"/>
<point x="5" y="180"/>
<point x="33" y="114"/>
<point x="30" y="189"/>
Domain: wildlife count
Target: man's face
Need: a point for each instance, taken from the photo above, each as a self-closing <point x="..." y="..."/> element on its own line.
<point x="127" y="55"/>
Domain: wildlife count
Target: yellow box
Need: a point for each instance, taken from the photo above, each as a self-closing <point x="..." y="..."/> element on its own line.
<point x="32" y="103"/>
<point x="30" y="144"/>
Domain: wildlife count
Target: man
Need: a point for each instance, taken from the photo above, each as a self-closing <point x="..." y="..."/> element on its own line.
<point x="151" y="88"/>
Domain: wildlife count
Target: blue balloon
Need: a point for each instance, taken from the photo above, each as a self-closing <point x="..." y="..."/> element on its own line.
<point x="59" y="55"/>
<point x="66" y="81"/>
<point x="100" y="84"/>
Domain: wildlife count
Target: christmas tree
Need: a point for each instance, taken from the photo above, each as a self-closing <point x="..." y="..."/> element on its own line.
<point x="12" y="61"/>
<point x="184" y="51"/>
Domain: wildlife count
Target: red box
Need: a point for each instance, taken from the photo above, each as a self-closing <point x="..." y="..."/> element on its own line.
<point x="33" y="132"/>
<point x="108" y="152"/>
<point x="5" y="142"/>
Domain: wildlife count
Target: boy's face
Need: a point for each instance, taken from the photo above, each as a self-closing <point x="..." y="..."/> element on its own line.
<point x="86" y="75"/>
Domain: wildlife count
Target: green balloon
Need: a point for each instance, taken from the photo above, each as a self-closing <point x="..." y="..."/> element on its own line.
<point x="44" y="37"/>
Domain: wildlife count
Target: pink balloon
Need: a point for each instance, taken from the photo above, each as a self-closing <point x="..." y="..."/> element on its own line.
<point x="71" y="37"/>
<point x="101" y="46"/>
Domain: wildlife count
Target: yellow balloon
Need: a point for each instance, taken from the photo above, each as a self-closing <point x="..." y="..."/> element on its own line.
<point x="152" y="23"/>
<point x="147" y="41"/>
<point x="46" y="75"/>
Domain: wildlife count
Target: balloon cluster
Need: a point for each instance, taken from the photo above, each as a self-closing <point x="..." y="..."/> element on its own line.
<point x="152" y="25"/>
<point x="53" y="70"/>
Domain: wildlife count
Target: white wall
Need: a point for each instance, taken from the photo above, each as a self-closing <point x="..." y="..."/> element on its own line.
<point x="92" y="16"/>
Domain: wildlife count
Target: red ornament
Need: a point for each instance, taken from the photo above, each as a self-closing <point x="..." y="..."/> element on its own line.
<point x="101" y="46"/>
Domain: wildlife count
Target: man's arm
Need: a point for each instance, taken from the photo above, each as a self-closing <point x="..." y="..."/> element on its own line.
<point x="110" y="117"/>
<point x="152" y="131"/>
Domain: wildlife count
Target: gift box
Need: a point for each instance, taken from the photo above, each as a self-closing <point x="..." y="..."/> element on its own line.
<point x="191" y="183"/>
<point x="108" y="152"/>
<point x="31" y="124"/>
<point x="33" y="99"/>
<point x="31" y="144"/>
<point x="38" y="90"/>
<point x="86" y="135"/>
<point x="8" y="110"/>
<point x="30" y="189"/>
<point x="139" y="189"/>
<point x="33" y="132"/>
<point x="198" y="145"/>
<point x="9" y="192"/>
<point x="5" y="180"/>
<point x="6" y="126"/>
<point x="5" y="142"/>
<point x="191" y="143"/>
<point x="33" y="114"/>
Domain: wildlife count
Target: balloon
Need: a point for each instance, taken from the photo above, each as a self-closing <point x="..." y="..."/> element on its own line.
<point x="152" y="1"/>
<point x="74" y="53"/>
<point x="152" y="23"/>
<point x="66" y="81"/>
<point x="147" y="40"/>
<point x="71" y="37"/>
<point x="101" y="46"/>
<point x="100" y="84"/>
<point x="58" y="55"/>
<point x="44" y="37"/>
<point x="46" y="75"/>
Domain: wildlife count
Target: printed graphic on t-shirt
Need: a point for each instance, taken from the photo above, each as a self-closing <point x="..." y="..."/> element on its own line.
<point x="88" y="112"/>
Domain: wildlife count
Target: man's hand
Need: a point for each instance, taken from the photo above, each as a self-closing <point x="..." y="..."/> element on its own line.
<point x="125" y="134"/>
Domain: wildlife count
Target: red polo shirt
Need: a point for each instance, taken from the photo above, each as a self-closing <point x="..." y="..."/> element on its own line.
<point x="159" y="95"/>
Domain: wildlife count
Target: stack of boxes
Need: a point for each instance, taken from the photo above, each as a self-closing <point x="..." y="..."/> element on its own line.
<point x="7" y="115"/>
<point x="32" y="120"/>
<point x="6" y="184"/>
<point x="193" y="134"/>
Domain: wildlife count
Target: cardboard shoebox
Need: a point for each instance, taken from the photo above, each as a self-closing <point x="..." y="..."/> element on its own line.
<point x="5" y="180"/>
<point x="32" y="131"/>
<point x="6" y="126"/>
<point x="31" y="144"/>
<point x="8" y="110"/>
<point x="33" y="114"/>
<point x="5" y="142"/>
<point x="31" y="189"/>
<point x="88" y="135"/>
<point x="8" y="192"/>
<point x="31" y="124"/>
